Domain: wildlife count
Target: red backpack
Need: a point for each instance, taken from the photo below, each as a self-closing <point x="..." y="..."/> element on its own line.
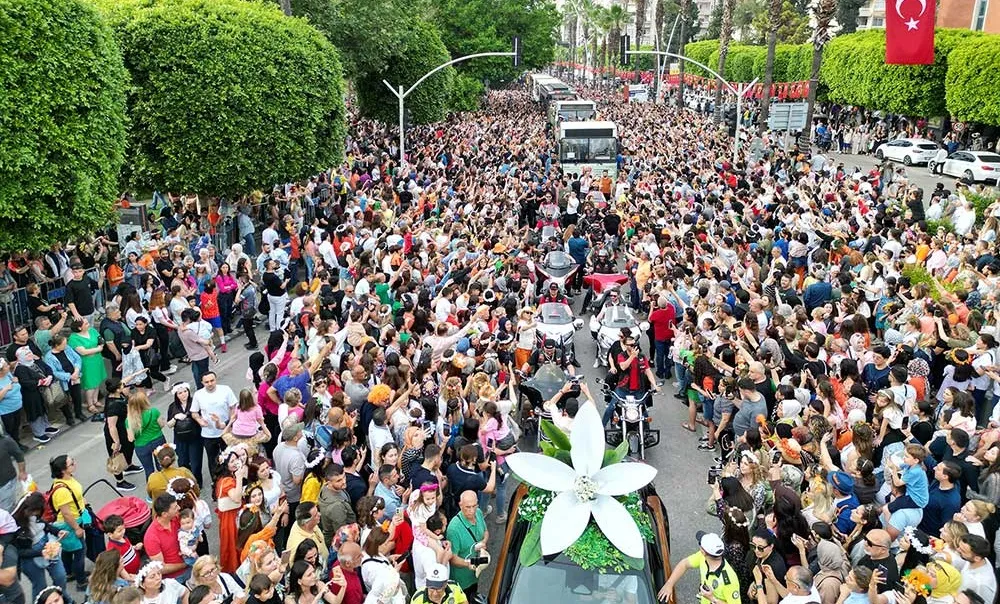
<point x="49" y="511"/>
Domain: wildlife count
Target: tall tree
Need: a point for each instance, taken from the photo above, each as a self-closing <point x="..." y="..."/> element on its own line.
<point x="640" y="24"/>
<point x="725" y="37"/>
<point x="286" y="7"/>
<point x="658" y="42"/>
<point x="847" y="15"/>
<point x="572" y="10"/>
<point x="823" y="13"/>
<point x="773" y="22"/>
<point x="680" y="45"/>
<point x="619" y="18"/>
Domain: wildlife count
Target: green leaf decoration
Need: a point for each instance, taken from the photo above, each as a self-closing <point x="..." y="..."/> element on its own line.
<point x="613" y="456"/>
<point x="557" y="436"/>
<point x="548" y="449"/>
<point x="531" y="547"/>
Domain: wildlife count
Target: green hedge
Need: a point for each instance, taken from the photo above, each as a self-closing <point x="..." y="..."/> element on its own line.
<point x="741" y="61"/>
<point x="854" y="69"/>
<point x="701" y="51"/>
<point x="228" y="96"/>
<point x="972" y="85"/>
<point x="783" y="54"/>
<point x="62" y="122"/>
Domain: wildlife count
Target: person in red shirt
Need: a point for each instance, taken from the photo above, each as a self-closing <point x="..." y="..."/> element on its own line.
<point x="114" y="528"/>
<point x="662" y="320"/>
<point x="633" y="366"/>
<point x="160" y="540"/>
<point x="348" y="561"/>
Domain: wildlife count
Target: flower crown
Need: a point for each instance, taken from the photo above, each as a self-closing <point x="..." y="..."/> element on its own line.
<point x="924" y="548"/>
<point x="224" y="456"/>
<point x="173" y="449"/>
<point x="919" y="580"/>
<point x="145" y="570"/>
<point x="744" y="524"/>
<point x="170" y="488"/>
<point x="317" y="459"/>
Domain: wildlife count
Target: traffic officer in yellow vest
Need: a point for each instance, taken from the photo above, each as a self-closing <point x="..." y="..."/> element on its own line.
<point x="719" y="583"/>
<point x="439" y="589"/>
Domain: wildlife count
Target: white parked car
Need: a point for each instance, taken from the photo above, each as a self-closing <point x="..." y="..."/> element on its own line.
<point x="972" y="166"/>
<point x="910" y="151"/>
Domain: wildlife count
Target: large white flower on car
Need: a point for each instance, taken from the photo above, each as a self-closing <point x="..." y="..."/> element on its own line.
<point x="585" y="489"/>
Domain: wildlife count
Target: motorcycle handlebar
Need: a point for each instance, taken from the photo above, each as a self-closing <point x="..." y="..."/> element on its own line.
<point x="639" y="399"/>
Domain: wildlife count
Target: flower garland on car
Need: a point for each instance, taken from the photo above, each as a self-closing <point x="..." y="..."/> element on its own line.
<point x="582" y="501"/>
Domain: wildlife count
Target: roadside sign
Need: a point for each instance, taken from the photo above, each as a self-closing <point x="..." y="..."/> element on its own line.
<point x="787" y="116"/>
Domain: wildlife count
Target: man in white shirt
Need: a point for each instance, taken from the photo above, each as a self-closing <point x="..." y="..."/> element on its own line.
<point x="978" y="575"/>
<point x="212" y="407"/>
<point x="378" y="431"/>
<point x="270" y="236"/>
<point x="438" y="551"/>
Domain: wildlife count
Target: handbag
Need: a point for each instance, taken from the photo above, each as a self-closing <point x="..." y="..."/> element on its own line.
<point x="116" y="464"/>
<point x="53" y="395"/>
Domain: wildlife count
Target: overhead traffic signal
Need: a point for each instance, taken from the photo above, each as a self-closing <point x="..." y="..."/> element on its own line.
<point x="623" y="50"/>
<point x="517" y="51"/>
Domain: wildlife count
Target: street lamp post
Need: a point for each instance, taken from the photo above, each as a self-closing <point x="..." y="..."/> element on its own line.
<point x="740" y="92"/>
<point x="401" y="94"/>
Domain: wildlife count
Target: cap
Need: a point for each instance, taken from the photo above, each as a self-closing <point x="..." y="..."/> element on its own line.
<point x="841" y="481"/>
<point x="290" y="431"/>
<point x="724" y="284"/>
<point x="710" y="543"/>
<point x="437" y="577"/>
<point x="549" y="343"/>
<point x="75" y="264"/>
<point x="463" y="345"/>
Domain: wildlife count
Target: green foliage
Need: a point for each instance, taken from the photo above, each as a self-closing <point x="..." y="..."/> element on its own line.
<point x="421" y="51"/>
<point x="693" y="27"/>
<point x="854" y="69"/>
<point x="799" y="63"/>
<point x="972" y="86"/>
<point x="934" y="225"/>
<point x="558" y="438"/>
<point x="613" y="456"/>
<point x="793" y="28"/>
<point x="847" y="15"/>
<point x="917" y="274"/>
<point x="227" y="96"/>
<point x="531" y="547"/>
<point x="981" y="203"/>
<point x="744" y="20"/>
<point x="466" y="91"/>
<point x="741" y="60"/>
<point x="702" y="52"/>
<point x="473" y="26"/>
<point x="62" y="122"/>
<point x="321" y="14"/>
<point x="369" y="33"/>
<point x="714" y="28"/>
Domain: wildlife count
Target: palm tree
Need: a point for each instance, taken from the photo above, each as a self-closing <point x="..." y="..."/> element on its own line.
<point x="658" y="32"/>
<point x="773" y="23"/>
<point x="640" y="24"/>
<point x="685" y="9"/>
<point x="572" y="13"/>
<point x="619" y="18"/>
<point x="824" y="12"/>
<point x="725" y="36"/>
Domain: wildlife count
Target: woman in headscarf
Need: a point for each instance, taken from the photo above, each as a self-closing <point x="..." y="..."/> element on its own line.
<point x="830" y="564"/>
<point x="388" y="588"/>
<point x="945" y="582"/>
<point x="33" y="378"/>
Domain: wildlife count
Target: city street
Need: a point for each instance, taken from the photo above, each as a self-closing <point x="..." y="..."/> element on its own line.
<point x="680" y="481"/>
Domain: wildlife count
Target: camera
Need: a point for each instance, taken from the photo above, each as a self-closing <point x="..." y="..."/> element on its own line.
<point x="478" y="560"/>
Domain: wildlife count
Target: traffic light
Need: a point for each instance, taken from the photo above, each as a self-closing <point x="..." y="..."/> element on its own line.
<point x="730" y="117"/>
<point x="623" y="49"/>
<point x="407" y="121"/>
<point x="517" y="51"/>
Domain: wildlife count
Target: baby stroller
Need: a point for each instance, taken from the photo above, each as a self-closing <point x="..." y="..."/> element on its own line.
<point x="133" y="510"/>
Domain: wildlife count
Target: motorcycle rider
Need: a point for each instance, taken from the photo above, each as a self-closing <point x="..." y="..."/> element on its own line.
<point x="601" y="263"/>
<point x="553" y="296"/>
<point x="635" y="376"/>
<point x="548" y="353"/>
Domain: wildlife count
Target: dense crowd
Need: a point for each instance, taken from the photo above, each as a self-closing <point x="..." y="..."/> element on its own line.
<point x="850" y="403"/>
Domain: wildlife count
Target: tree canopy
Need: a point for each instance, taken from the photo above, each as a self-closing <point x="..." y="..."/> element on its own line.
<point x="227" y="96"/>
<point x="62" y="121"/>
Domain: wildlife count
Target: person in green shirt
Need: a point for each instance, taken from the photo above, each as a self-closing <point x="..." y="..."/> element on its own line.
<point x="144" y="428"/>
<point x="468" y="536"/>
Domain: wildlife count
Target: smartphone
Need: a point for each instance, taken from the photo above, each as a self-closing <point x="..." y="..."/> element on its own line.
<point x="775" y="456"/>
<point x="285" y="555"/>
<point x="906" y="423"/>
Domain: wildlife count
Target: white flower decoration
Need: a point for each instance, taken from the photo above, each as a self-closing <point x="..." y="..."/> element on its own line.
<point x="585" y="489"/>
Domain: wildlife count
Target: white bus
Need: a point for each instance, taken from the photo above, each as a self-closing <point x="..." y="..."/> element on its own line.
<point x="572" y="111"/>
<point x="556" y="90"/>
<point x="588" y="144"/>
<point x="535" y="83"/>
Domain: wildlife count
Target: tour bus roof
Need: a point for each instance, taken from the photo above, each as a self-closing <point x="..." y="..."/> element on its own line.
<point x="585" y="125"/>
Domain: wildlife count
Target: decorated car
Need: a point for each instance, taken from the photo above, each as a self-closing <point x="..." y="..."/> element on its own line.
<point x="585" y="525"/>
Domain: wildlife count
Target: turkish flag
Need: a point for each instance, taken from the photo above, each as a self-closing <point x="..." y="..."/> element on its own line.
<point x="909" y="32"/>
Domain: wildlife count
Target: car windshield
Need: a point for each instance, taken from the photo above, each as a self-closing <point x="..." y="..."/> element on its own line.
<point x="928" y="146"/>
<point x="554" y="313"/>
<point x="563" y="581"/>
<point x="989" y="159"/>
<point x="618" y="317"/>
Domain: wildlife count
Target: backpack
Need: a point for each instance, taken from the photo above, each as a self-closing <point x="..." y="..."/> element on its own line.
<point x="49" y="511"/>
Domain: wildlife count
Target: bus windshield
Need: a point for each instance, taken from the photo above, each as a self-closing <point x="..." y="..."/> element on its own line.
<point x="586" y="149"/>
<point x="576" y="114"/>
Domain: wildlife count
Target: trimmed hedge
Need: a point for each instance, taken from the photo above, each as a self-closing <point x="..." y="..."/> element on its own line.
<point x="228" y="96"/>
<point x="972" y="87"/>
<point x="854" y="69"/>
<point x="792" y="62"/>
<point x="701" y="51"/>
<point x="62" y="122"/>
<point x="466" y="91"/>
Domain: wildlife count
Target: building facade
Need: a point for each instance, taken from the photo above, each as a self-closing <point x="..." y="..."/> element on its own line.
<point x="977" y="15"/>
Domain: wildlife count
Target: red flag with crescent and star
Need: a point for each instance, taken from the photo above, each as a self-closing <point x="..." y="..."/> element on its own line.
<point x="909" y="32"/>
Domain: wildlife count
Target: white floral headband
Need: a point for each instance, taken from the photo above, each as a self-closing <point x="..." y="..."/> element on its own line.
<point x="145" y="570"/>
<point x="924" y="548"/>
<point x="318" y="459"/>
<point x="170" y="488"/>
<point x="173" y="449"/>
<point x="224" y="456"/>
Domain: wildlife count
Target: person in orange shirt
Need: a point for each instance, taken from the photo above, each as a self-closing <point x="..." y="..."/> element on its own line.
<point x="606" y="185"/>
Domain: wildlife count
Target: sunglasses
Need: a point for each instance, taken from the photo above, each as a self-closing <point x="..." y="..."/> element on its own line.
<point x="760" y="548"/>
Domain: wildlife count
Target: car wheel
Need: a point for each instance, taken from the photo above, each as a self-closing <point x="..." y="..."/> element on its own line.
<point x="879" y="154"/>
<point x="907" y="161"/>
<point x="930" y="166"/>
<point x="967" y="176"/>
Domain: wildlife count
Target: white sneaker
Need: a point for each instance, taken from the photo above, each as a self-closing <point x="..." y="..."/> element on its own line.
<point x="167" y="385"/>
<point x="489" y="510"/>
<point x="171" y="371"/>
<point x="597" y="363"/>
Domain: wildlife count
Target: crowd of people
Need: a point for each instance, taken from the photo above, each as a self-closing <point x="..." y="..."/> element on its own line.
<point x="838" y="357"/>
